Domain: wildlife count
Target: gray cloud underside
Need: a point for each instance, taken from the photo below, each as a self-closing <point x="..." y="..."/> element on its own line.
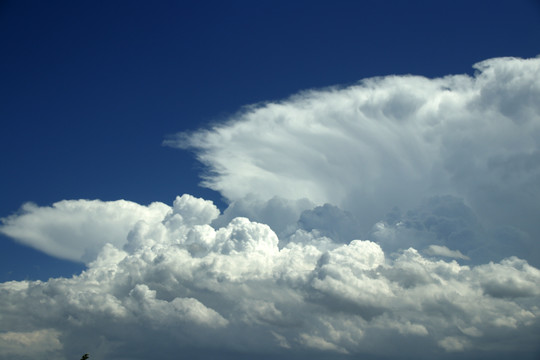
<point x="441" y="175"/>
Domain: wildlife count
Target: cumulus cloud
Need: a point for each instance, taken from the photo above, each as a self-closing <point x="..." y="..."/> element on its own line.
<point x="181" y="285"/>
<point x="390" y="219"/>
<point x="78" y="229"/>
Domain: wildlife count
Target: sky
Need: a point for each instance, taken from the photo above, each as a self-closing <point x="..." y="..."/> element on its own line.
<point x="271" y="179"/>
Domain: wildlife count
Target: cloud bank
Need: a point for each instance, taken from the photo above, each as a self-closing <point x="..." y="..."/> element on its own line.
<point x="390" y="219"/>
<point x="181" y="284"/>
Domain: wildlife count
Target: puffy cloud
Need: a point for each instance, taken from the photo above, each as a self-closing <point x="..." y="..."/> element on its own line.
<point x="78" y="229"/>
<point x="278" y="213"/>
<point x="437" y="224"/>
<point x="451" y="343"/>
<point x="331" y="221"/>
<point x="353" y="215"/>
<point x="499" y="280"/>
<point x="392" y="141"/>
<point x="180" y="285"/>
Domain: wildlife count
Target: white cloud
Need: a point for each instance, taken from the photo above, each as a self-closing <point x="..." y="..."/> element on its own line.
<point x="319" y="343"/>
<point x="143" y="302"/>
<point x="181" y="285"/>
<point x="451" y="343"/>
<point x="78" y="229"/>
<point x="336" y="196"/>
<point x="444" y="251"/>
<point x="392" y="141"/>
<point x="280" y="214"/>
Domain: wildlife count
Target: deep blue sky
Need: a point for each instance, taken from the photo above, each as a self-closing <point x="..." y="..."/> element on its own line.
<point x="89" y="90"/>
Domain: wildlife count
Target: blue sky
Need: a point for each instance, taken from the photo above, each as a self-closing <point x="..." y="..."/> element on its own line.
<point x="109" y="101"/>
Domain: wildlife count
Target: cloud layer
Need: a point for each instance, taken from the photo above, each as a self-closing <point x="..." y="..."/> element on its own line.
<point x="188" y="286"/>
<point x="392" y="219"/>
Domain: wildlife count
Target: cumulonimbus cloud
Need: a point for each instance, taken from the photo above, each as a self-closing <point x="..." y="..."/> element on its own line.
<point x="379" y="220"/>
<point x="391" y="141"/>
